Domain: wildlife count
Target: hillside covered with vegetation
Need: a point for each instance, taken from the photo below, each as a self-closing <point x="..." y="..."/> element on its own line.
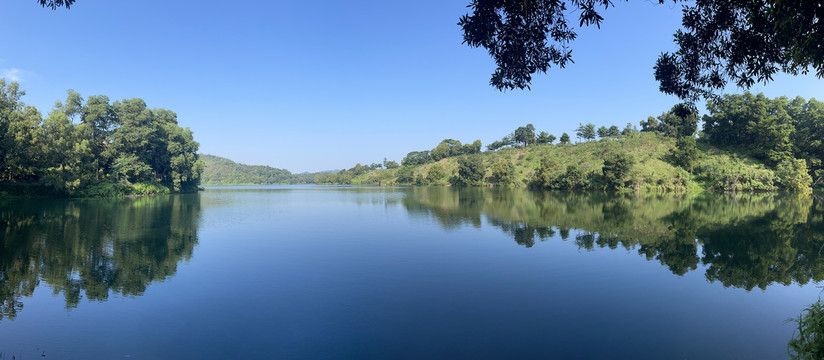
<point x="748" y="143"/>
<point x="222" y="171"/>
<point x="93" y="147"/>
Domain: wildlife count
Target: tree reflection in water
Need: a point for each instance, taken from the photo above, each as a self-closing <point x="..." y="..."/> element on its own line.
<point x="744" y="241"/>
<point x="95" y="247"/>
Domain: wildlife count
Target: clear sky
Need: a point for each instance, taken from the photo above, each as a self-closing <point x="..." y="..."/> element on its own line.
<point x="320" y="85"/>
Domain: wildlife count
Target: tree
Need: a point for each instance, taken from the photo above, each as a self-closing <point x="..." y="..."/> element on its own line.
<point x="586" y="132"/>
<point x="129" y="167"/>
<point x="446" y="148"/>
<point x="808" y="138"/>
<point x="406" y="175"/>
<point x="139" y="138"/>
<point x="651" y="125"/>
<point x="589" y="132"/>
<point x="629" y="129"/>
<point x="572" y="179"/>
<point x="524" y="135"/>
<point x="22" y="155"/>
<point x="617" y="169"/>
<point x="98" y="118"/>
<point x="546" y="173"/>
<point x="121" y="142"/>
<point x="185" y="166"/>
<point x="613" y="131"/>
<point x="473" y="148"/>
<point x="551" y="139"/>
<point x="564" y="138"/>
<point x="495" y="145"/>
<point x="685" y="153"/>
<point x="470" y="170"/>
<point x="762" y="125"/>
<point x="10" y="107"/>
<point x="506" y="141"/>
<point x="73" y="105"/>
<point x="441" y="151"/>
<point x="543" y="138"/>
<point x="63" y="154"/>
<point x="417" y="158"/>
<point x="681" y="120"/>
<point x="603" y="132"/>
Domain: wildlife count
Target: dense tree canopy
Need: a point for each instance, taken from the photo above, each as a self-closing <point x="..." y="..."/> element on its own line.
<point x="123" y="142"/>
<point x="774" y="130"/>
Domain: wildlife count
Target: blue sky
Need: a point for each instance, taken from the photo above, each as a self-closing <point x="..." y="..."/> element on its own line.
<point x="318" y="85"/>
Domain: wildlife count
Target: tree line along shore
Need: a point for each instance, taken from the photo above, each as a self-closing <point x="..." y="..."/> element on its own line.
<point x="94" y="147"/>
<point x="747" y="142"/>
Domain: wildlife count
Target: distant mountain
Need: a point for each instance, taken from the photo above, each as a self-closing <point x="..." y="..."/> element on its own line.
<point x="222" y="171"/>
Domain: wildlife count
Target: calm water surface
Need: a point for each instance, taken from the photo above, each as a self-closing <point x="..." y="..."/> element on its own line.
<point x="347" y="272"/>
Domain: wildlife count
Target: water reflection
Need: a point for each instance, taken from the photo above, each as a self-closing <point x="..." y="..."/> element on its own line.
<point x="744" y="241"/>
<point x="93" y="247"/>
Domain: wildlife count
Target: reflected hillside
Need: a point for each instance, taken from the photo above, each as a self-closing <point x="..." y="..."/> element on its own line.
<point x="95" y="247"/>
<point x="745" y="241"/>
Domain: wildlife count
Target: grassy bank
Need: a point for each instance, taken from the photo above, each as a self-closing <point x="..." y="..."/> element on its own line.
<point x="653" y="167"/>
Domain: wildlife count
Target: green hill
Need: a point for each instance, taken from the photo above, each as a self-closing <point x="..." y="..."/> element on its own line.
<point x="653" y="167"/>
<point x="222" y="171"/>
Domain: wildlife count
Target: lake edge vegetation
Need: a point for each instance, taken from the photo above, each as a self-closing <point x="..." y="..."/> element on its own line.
<point x="93" y="147"/>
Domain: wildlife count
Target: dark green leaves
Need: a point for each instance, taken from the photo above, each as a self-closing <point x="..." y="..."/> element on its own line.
<point x="525" y="37"/>
<point x="743" y="42"/>
<point x="54" y="4"/>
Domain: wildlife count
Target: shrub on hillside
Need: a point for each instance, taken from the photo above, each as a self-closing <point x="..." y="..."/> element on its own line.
<point x="793" y="175"/>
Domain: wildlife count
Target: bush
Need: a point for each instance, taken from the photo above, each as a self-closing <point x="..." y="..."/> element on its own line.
<point x="731" y="175"/>
<point x="148" y="188"/>
<point x="685" y="153"/>
<point x="572" y="179"/>
<point x="808" y="340"/>
<point x="104" y="189"/>
<point x="793" y="175"/>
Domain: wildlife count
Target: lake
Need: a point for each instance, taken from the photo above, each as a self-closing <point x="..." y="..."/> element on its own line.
<point x="319" y="272"/>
